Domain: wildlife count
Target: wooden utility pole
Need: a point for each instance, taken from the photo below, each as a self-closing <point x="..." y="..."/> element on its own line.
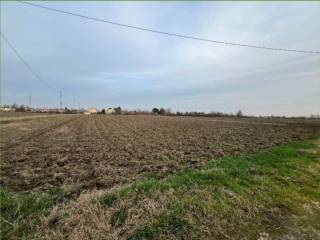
<point x="60" y="102"/>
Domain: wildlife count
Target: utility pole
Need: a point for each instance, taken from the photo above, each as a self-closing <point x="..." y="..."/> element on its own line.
<point x="60" y="102"/>
<point x="30" y="101"/>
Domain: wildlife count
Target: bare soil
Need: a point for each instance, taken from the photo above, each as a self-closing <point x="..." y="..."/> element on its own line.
<point x="102" y="151"/>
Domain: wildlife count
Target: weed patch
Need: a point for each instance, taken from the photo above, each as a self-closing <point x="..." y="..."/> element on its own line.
<point x="108" y="199"/>
<point x="119" y="217"/>
<point x="19" y="212"/>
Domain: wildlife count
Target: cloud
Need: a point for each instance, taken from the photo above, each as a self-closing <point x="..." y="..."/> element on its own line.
<point x="102" y="64"/>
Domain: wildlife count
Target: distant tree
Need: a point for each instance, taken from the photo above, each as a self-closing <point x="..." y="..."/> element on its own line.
<point x="14" y="106"/>
<point x="239" y="114"/>
<point x="155" y="111"/>
<point x="22" y="108"/>
<point x="103" y="111"/>
<point x="162" y="111"/>
<point x="67" y="110"/>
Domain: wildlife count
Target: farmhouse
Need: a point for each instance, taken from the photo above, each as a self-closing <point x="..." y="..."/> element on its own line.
<point x="92" y="110"/>
<point x="109" y="110"/>
<point x="7" y="109"/>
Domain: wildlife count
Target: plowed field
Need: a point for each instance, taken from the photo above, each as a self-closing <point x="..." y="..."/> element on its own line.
<point x="102" y="151"/>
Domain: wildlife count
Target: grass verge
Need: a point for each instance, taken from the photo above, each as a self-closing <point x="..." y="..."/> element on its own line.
<point x="268" y="195"/>
<point x="20" y="213"/>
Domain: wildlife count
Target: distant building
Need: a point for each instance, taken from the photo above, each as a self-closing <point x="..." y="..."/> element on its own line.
<point x="117" y="110"/>
<point x="56" y="110"/>
<point x="109" y="110"/>
<point x="92" y="110"/>
<point x="43" y="110"/>
<point x="315" y="116"/>
<point x="82" y="110"/>
<point x="7" y="109"/>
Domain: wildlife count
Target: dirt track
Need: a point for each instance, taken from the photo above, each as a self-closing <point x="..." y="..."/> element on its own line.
<point x="103" y="151"/>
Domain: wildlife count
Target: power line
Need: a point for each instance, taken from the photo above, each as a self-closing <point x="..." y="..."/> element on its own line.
<point x="25" y="63"/>
<point x="170" y="34"/>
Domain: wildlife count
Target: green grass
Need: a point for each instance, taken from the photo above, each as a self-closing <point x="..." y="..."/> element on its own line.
<point x="109" y="199"/>
<point x="275" y="192"/>
<point x="19" y="212"/>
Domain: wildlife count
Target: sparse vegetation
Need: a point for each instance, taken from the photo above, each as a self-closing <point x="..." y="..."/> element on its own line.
<point x="119" y="217"/>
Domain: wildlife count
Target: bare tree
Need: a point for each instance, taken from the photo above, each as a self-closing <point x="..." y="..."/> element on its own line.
<point x="239" y="114"/>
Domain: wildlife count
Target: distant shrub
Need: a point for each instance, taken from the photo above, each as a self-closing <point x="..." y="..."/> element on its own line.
<point x="22" y="108"/>
<point x="103" y="111"/>
<point x="239" y="114"/>
<point x="155" y="111"/>
<point x="162" y="111"/>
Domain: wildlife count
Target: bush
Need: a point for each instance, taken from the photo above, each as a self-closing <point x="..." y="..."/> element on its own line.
<point x="162" y="111"/>
<point x="155" y="111"/>
<point x="239" y="114"/>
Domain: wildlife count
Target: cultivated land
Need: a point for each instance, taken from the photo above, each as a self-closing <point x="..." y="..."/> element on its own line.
<point x="156" y="177"/>
<point x="97" y="151"/>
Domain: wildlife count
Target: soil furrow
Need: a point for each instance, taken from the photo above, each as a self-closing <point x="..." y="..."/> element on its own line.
<point x="101" y="151"/>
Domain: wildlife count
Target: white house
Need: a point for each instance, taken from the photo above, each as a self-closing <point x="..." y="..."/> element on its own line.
<point x="92" y="110"/>
<point x="7" y="109"/>
<point x="109" y="110"/>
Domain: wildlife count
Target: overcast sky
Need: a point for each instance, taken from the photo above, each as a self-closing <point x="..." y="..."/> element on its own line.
<point x="103" y="65"/>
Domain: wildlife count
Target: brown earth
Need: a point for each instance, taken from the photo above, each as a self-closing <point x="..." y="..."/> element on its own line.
<point x="102" y="151"/>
